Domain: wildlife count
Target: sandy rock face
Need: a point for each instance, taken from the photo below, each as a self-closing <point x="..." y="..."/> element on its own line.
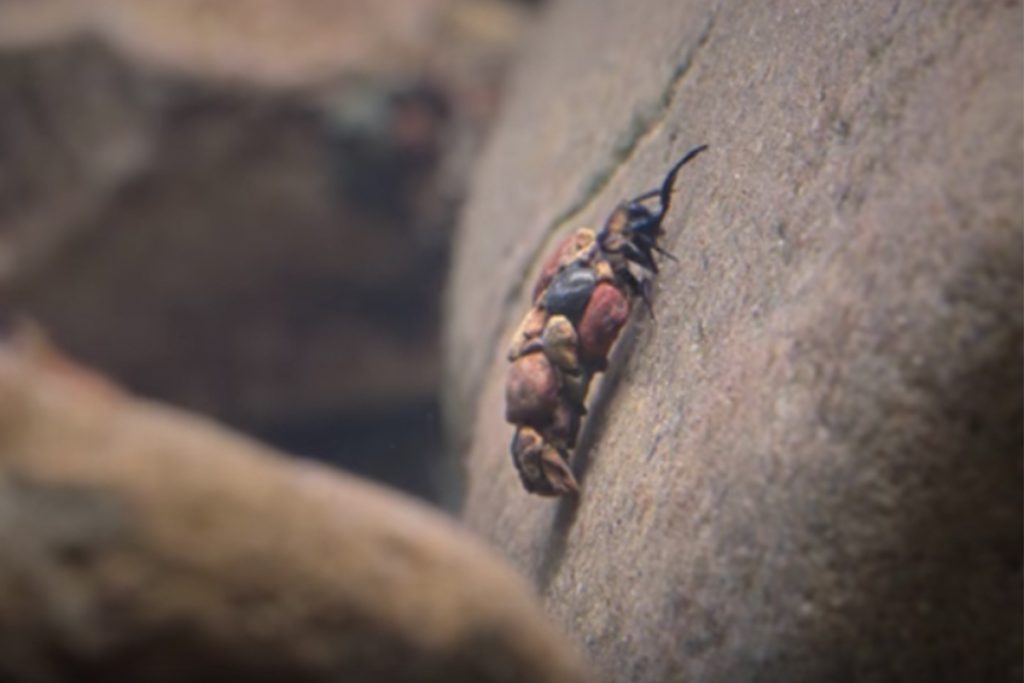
<point x="140" y="544"/>
<point x="808" y="467"/>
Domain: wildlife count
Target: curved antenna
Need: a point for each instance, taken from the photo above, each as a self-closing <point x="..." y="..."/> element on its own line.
<point x="665" y="191"/>
<point x="646" y="195"/>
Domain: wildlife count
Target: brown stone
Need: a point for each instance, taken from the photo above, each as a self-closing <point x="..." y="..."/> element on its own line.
<point x="541" y="467"/>
<point x="526" y="447"/>
<point x="527" y="336"/>
<point x="531" y="392"/>
<point x="138" y="543"/>
<point x="606" y="313"/>
<point x="245" y="208"/>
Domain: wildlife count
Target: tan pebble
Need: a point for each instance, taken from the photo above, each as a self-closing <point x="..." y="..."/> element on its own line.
<point x="560" y="342"/>
<point x="603" y="271"/>
<point x="579" y="248"/>
<point x="529" y="329"/>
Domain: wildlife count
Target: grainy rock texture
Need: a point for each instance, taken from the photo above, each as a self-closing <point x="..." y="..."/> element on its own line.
<point x="140" y="544"/>
<point x="808" y="467"/>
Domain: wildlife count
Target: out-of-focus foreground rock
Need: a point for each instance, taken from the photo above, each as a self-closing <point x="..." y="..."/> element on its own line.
<point x="140" y="544"/>
<point x="243" y="208"/>
<point x="809" y="467"/>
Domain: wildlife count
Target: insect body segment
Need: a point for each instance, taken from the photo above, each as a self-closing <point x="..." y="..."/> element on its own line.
<point x="581" y="301"/>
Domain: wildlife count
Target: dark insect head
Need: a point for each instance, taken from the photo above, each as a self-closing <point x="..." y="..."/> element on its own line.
<point x="633" y="229"/>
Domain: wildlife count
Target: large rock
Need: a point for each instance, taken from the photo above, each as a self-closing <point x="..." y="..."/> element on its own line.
<point x="809" y="465"/>
<point x="141" y="544"/>
<point x="244" y="208"/>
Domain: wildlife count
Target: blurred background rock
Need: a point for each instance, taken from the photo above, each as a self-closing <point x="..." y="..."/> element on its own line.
<point x="244" y="208"/>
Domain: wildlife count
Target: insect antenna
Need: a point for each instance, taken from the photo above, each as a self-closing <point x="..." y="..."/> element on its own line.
<point x="665" y="191"/>
<point x="670" y="178"/>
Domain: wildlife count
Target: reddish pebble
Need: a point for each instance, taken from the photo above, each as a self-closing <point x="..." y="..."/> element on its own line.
<point x="604" y="316"/>
<point x="531" y="393"/>
<point x="547" y="272"/>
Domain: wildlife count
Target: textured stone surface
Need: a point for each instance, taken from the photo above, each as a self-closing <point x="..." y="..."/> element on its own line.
<point x="808" y="467"/>
<point x="140" y="544"/>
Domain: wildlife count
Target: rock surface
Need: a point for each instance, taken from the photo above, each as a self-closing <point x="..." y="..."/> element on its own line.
<point x="808" y="467"/>
<point x="141" y="544"/>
